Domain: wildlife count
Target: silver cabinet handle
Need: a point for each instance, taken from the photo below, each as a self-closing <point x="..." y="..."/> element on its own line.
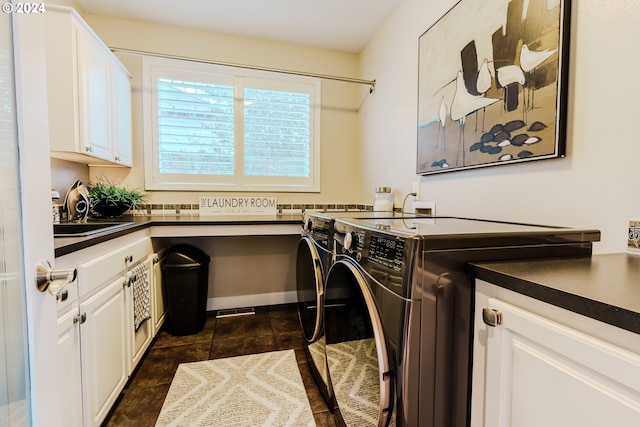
<point x="54" y="281"/>
<point x="492" y="317"/>
<point x="62" y="296"/>
<point x="80" y="318"/>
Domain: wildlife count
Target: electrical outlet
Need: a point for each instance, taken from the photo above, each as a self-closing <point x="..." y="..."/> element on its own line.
<point x="416" y="189"/>
<point x="425" y="208"/>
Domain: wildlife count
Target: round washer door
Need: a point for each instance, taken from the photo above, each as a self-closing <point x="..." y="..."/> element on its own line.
<point x="356" y="349"/>
<point x="310" y="288"/>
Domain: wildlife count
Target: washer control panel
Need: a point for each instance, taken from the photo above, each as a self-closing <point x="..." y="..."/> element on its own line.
<point x="353" y="242"/>
<point x="384" y="255"/>
<point x="348" y="240"/>
<point x="387" y="251"/>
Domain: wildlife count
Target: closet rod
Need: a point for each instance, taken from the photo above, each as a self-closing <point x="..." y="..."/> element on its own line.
<point x="371" y="83"/>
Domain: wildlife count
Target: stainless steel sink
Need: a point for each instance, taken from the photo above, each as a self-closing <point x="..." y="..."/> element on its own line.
<point x="81" y="229"/>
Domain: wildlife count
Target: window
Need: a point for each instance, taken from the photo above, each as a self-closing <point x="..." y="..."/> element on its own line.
<point x="209" y="127"/>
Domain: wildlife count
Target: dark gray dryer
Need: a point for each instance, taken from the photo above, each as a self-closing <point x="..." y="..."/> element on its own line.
<point x="398" y="312"/>
<point x="313" y="259"/>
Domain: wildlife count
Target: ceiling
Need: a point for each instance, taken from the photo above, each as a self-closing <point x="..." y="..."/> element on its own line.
<point x="345" y="25"/>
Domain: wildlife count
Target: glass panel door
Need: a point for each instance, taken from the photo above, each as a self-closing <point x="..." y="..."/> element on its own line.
<point x="14" y="389"/>
<point x="356" y="349"/>
<point x="309" y="283"/>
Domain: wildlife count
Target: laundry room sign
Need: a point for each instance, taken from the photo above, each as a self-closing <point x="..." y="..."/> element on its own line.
<point x="238" y="205"/>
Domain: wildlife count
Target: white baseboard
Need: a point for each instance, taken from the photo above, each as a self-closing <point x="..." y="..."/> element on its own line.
<point x="221" y="303"/>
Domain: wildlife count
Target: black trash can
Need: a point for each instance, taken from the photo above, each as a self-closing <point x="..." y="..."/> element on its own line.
<point x="185" y="274"/>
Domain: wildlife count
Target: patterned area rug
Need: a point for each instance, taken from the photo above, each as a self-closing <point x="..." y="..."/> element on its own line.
<point x="257" y="390"/>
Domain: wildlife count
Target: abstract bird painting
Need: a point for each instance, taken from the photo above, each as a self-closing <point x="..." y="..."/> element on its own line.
<point x="504" y="62"/>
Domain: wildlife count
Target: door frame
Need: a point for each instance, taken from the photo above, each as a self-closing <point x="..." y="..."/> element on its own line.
<point x="37" y="232"/>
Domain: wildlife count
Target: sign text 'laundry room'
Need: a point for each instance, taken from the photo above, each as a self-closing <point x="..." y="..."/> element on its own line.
<point x="238" y="205"/>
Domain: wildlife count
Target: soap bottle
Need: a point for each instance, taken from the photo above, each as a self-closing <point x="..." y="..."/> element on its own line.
<point x="383" y="200"/>
<point x="56" y="209"/>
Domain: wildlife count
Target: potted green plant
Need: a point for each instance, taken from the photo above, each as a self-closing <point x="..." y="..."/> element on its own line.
<point x="110" y="200"/>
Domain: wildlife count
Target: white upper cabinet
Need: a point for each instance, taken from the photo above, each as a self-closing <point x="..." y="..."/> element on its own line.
<point x="89" y="94"/>
<point x="94" y="73"/>
<point x="122" y="122"/>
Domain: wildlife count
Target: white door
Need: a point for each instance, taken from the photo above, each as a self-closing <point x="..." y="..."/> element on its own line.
<point x="29" y="197"/>
<point x="14" y="388"/>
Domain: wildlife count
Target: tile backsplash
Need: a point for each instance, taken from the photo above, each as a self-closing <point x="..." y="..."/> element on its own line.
<point x="285" y="208"/>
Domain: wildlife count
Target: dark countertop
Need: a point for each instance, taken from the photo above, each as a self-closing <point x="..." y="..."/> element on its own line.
<point x="604" y="287"/>
<point x="67" y="245"/>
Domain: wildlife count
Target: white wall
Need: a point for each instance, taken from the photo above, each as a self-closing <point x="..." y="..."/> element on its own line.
<point x="248" y="270"/>
<point x="594" y="186"/>
<point x="340" y="174"/>
<point x="64" y="174"/>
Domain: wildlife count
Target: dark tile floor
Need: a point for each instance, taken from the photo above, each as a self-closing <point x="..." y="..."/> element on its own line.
<point x="269" y="329"/>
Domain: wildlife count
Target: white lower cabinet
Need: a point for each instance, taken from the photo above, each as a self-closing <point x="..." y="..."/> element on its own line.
<point x="105" y="349"/>
<point x="159" y="308"/>
<point x="535" y="369"/>
<point x="97" y="342"/>
<point x="70" y="368"/>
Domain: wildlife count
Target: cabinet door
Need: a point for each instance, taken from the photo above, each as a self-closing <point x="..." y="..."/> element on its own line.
<point x="541" y="373"/>
<point x="62" y="83"/>
<point x="105" y="350"/>
<point x="158" y="308"/>
<point x="94" y="75"/>
<point x="70" y="388"/>
<point x="122" y="143"/>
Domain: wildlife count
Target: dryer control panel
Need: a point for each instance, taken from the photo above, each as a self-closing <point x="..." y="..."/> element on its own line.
<point x="319" y="229"/>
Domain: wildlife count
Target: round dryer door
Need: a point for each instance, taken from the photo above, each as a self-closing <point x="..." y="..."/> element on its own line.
<point x="310" y="287"/>
<point x="356" y="349"/>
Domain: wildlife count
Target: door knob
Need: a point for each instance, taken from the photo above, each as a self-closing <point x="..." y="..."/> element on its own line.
<point x="48" y="279"/>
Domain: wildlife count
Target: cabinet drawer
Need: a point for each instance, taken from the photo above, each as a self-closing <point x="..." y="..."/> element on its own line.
<point x="96" y="272"/>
